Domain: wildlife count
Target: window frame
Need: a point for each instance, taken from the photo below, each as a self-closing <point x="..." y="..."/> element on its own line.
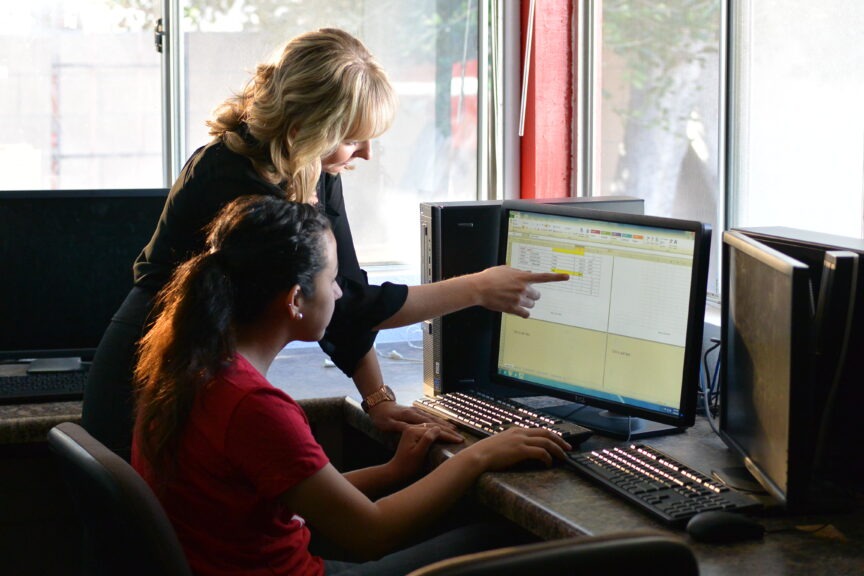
<point x="586" y="172"/>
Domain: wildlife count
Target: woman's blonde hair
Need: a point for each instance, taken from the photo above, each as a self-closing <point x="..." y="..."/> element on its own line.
<point x="325" y="88"/>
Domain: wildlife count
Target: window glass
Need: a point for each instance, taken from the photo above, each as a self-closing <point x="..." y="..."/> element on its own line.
<point x="797" y="138"/>
<point x="655" y="115"/>
<point x="80" y="100"/>
<point x="429" y="49"/>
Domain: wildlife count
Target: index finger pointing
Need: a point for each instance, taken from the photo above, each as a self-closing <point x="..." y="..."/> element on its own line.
<point x="539" y="277"/>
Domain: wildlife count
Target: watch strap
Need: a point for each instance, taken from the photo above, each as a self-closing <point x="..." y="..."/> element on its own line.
<point x="383" y="394"/>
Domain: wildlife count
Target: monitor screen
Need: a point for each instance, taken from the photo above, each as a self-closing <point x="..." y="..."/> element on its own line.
<point x="622" y="337"/>
<point x="765" y="404"/>
<point x="66" y="259"/>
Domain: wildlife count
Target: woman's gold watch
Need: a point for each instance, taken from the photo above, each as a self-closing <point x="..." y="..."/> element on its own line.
<point x="383" y="394"/>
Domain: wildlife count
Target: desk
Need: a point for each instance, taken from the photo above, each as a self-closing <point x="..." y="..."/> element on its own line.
<point x="558" y="503"/>
<point x="29" y="423"/>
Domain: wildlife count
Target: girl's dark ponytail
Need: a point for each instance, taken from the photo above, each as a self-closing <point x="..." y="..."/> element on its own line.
<point x="202" y="315"/>
<point x="257" y="248"/>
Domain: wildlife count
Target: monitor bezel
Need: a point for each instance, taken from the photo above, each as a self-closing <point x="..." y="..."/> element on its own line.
<point x="693" y="346"/>
<point x="800" y="442"/>
<point x="16" y="354"/>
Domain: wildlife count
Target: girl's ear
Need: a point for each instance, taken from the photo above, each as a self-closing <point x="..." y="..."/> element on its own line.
<point x="294" y="302"/>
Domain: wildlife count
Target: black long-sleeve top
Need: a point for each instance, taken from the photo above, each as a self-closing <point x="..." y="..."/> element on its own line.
<point x="213" y="177"/>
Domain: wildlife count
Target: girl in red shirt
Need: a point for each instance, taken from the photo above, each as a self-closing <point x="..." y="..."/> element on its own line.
<point x="232" y="458"/>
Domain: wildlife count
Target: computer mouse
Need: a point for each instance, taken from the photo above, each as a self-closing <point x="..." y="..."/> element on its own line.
<point x="718" y="526"/>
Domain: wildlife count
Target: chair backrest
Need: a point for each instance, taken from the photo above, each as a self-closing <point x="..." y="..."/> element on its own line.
<point x="622" y="553"/>
<point x="126" y="530"/>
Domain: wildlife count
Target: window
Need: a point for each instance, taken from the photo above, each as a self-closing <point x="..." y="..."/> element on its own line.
<point x="80" y="94"/>
<point x="797" y="120"/>
<point x="652" y="100"/>
<point x="654" y="105"/>
<point x="429" y="49"/>
<point x="83" y="97"/>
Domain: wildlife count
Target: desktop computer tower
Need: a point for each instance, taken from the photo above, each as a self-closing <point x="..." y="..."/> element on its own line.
<point x="458" y="238"/>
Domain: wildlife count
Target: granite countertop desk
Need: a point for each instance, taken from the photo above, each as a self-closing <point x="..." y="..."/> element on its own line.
<point x="558" y="503"/>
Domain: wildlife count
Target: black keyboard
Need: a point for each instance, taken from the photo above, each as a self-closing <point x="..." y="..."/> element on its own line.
<point x="485" y="415"/>
<point x="42" y="387"/>
<point x="658" y="483"/>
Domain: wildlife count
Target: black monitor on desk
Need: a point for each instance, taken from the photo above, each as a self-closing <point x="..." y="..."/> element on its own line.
<point x="791" y="362"/>
<point x="66" y="260"/>
<point x="765" y="394"/>
<point x="621" y="340"/>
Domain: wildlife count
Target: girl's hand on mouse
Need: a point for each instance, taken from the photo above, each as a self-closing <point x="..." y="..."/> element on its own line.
<point x="512" y="446"/>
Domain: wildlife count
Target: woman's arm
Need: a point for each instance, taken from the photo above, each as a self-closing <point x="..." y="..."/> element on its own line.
<point x="374" y="481"/>
<point x="333" y="505"/>
<point x="501" y="289"/>
<point x="390" y="416"/>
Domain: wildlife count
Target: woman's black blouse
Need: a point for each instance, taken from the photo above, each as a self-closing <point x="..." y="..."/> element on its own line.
<point x="213" y="177"/>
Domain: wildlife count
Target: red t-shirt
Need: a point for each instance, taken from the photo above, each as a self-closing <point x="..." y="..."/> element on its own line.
<point x="246" y="443"/>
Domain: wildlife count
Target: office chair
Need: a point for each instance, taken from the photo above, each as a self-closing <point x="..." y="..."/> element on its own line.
<point x="126" y="530"/>
<point x="622" y="553"/>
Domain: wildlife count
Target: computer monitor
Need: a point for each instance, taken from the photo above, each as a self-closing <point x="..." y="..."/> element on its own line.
<point x="66" y="260"/>
<point x="837" y="349"/>
<point x="461" y="237"/>
<point x="621" y="339"/>
<point x="767" y="415"/>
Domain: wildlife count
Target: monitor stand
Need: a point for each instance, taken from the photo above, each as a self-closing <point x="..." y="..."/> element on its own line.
<point x="42" y="365"/>
<point x="611" y="423"/>
<point x="738" y="478"/>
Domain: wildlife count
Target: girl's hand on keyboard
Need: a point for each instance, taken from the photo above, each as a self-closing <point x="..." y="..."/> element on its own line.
<point x="394" y="417"/>
<point x="410" y="456"/>
<point x="515" y="445"/>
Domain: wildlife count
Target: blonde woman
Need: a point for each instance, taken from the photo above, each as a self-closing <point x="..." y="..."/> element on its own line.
<point x="299" y="123"/>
